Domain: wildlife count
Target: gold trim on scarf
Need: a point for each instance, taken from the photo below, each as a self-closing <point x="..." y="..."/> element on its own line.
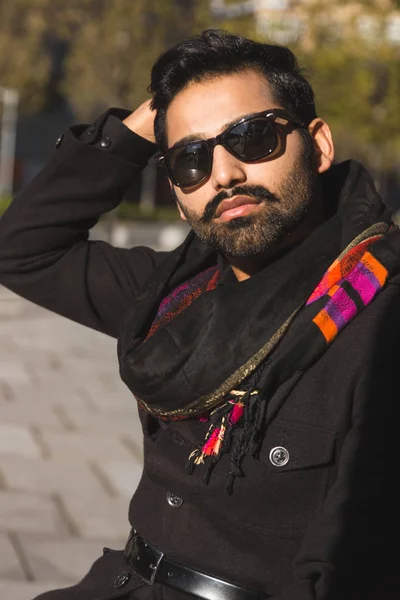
<point x="212" y="400"/>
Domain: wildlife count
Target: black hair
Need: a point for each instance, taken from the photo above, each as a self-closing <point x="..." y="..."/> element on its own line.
<point x="217" y="52"/>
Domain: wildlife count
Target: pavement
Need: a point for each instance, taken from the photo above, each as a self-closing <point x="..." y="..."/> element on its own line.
<point x="70" y="449"/>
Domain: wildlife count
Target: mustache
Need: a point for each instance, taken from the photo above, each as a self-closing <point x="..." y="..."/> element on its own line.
<point x="259" y="192"/>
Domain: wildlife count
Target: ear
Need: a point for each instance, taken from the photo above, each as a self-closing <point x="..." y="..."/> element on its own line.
<point x="175" y="197"/>
<point x="322" y="136"/>
<point x="183" y="217"/>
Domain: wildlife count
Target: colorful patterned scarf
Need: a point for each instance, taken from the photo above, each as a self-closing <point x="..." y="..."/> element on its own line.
<point x="197" y="347"/>
<point x="351" y="282"/>
<point x="183" y="296"/>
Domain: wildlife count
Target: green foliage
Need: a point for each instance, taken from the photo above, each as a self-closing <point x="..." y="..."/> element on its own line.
<point x="356" y="80"/>
<point x="24" y="64"/>
<point x="4" y="203"/>
<point x="357" y="89"/>
<point x="113" y="44"/>
<point x="27" y="29"/>
<point x="111" y="59"/>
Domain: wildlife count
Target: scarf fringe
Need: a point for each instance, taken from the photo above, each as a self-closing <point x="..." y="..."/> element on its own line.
<point x="244" y="410"/>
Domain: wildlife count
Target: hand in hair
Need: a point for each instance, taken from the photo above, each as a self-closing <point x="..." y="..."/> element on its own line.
<point x="141" y="121"/>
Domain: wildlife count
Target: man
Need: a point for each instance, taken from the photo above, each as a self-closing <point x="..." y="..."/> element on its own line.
<point x="259" y="351"/>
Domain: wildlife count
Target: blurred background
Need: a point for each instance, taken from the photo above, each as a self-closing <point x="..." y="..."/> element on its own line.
<point x="65" y="62"/>
<point x="70" y="442"/>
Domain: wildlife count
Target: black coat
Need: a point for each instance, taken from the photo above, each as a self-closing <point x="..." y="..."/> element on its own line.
<point x="321" y="527"/>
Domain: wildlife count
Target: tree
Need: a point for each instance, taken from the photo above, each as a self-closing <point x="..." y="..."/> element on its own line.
<point x="358" y="94"/>
<point x="353" y="66"/>
<point x="24" y="64"/>
<point x="32" y="32"/>
<point x="111" y="59"/>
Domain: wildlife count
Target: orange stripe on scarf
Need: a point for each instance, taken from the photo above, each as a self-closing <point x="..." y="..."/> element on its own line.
<point x="326" y="325"/>
<point x="375" y="267"/>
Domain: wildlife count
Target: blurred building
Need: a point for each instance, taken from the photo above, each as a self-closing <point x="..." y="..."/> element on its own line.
<point x="290" y="21"/>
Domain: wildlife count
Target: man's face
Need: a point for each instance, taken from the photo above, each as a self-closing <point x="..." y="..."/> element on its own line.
<point x="273" y="194"/>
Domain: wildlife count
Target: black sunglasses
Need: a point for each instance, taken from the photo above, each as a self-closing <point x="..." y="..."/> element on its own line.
<point x="250" y="139"/>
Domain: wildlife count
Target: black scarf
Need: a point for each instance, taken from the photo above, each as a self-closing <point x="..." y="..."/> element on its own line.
<point x="254" y="334"/>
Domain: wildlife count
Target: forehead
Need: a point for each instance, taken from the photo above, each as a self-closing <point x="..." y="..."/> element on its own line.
<point x="205" y="108"/>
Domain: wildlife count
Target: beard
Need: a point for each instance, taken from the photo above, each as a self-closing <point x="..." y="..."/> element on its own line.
<point x="265" y="230"/>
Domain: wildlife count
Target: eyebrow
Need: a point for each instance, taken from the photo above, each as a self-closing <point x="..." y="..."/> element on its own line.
<point x="195" y="137"/>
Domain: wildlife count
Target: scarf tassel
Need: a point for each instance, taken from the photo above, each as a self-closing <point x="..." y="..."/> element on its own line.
<point x="247" y="413"/>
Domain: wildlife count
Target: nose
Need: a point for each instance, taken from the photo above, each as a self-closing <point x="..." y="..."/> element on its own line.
<point x="227" y="171"/>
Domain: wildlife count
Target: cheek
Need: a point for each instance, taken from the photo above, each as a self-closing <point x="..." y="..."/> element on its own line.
<point x="272" y="173"/>
<point x="193" y="204"/>
<point x="266" y="174"/>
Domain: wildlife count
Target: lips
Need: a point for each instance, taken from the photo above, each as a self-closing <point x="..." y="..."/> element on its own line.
<point x="234" y="202"/>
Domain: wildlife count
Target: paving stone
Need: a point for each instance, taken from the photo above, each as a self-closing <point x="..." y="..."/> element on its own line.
<point x="10" y="308"/>
<point x="46" y="360"/>
<point x="49" y="393"/>
<point x="103" y="398"/>
<point x="51" y="365"/>
<point x="7" y="343"/>
<point x="49" y="331"/>
<point x="99" y="518"/>
<point x="105" y="349"/>
<point x="27" y="413"/>
<point x="102" y="383"/>
<point x="39" y="341"/>
<point x="123" y="475"/>
<point x="37" y="334"/>
<point x="17" y="440"/>
<point x="24" y="513"/>
<point x="79" y="447"/>
<point x="65" y="387"/>
<point x="59" y="383"/>
<point x="5" y="293"/>
<point x="19" y="590"/>
<point x="107" y="363"/>
<point x="10" y="566"/>
<point x="48" y="476"/>
<point x="117" y="422"/>
<point x="13" y="372"/>
<point x="65" y="561"/>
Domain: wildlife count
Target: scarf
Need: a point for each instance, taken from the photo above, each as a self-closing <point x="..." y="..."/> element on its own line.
<point x="193" y="348"/>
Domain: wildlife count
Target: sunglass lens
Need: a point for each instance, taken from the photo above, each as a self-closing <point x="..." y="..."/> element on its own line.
<point x="253" y="139"/>
<point x="190" y="164"/>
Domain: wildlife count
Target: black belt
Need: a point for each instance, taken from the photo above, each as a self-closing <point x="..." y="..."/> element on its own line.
<point x="154" y="567"/>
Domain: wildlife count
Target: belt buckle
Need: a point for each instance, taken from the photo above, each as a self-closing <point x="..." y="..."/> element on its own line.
<point x="144" y="558"/>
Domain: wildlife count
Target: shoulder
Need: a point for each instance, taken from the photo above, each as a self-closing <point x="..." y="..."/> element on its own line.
<point x="368" y="345"/>
<point x="383" y="311"/>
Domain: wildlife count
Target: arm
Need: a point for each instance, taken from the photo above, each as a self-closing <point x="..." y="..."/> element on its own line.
<point x="346" y="552"/>
<point x="45" y="252"/>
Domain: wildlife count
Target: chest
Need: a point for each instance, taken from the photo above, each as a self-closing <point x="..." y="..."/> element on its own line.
<point x="294" y="469"/>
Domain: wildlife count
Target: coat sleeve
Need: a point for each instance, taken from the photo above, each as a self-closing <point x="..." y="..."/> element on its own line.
<point x="347" y="552"/>
<point x="46" y="255"/>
